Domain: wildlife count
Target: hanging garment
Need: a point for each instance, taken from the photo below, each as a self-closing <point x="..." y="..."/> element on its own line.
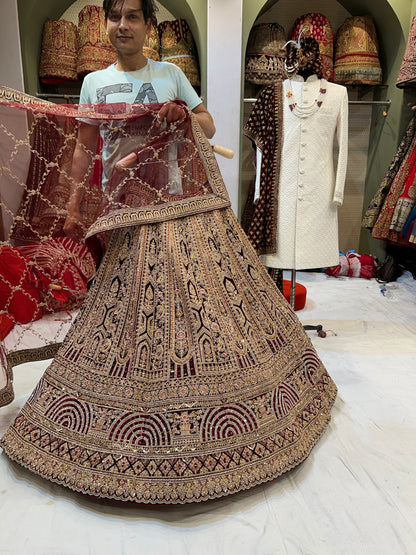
<point x="58" y="59"/>
<point x="407" y="73"/>
<point x="95" y="50"/>
<point x="310" y="189"/>
<point x="356" y="52"/>
<point x="402" y="184"/>
<point x="265" y="54"/>
<point x="409" y="228"/>
<point x="186" y="375"/>
<point x="177" y="46"/>
<point x="373" y="210"/>
<point x="318" y="26"/>
<point x="264" y="127"/>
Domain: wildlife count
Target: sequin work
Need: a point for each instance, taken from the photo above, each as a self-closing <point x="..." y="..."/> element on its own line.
<point x="186" y="375"/>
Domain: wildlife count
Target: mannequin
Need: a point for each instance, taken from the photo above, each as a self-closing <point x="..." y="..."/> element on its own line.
<point x="310" y="189"/>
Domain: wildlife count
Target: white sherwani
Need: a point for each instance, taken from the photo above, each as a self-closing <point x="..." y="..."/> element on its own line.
<point x="310" y="189"/>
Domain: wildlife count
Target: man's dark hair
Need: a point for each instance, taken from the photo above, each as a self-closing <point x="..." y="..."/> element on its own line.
<point x="148" y="6"/>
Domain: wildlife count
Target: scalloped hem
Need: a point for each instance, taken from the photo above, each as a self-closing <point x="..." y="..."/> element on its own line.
<point x="164" y="490"/>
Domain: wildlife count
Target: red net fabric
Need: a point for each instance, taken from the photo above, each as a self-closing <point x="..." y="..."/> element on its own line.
<point x="150" y="172"/>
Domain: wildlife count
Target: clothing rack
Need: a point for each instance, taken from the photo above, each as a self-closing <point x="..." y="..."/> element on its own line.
<point x="58" y="95"/>
<point x="376" y="102"/>
<point x="65" y="96"/>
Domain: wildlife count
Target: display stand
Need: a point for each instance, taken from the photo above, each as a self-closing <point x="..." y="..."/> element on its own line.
<point x="319" y="329"/>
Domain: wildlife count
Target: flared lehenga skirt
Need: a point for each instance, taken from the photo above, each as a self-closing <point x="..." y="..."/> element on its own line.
<point x="186" y="375"/>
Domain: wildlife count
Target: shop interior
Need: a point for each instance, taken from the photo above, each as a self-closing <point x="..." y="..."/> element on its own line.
<point x="355" y="493"/>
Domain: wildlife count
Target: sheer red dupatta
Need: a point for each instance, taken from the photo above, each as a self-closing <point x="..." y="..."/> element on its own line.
<point x="171" y="172"/>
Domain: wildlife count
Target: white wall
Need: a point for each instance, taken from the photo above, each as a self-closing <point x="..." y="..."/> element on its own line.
<point x="11" y="70"/>
<point x="224" y="84"/>
<point x="11" y="75"/>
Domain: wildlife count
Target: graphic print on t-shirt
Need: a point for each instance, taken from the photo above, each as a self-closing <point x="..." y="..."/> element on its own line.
<point x="146" y="92"/>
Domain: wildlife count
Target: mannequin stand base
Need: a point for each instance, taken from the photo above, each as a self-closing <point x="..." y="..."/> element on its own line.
<point x="319" y="330"/>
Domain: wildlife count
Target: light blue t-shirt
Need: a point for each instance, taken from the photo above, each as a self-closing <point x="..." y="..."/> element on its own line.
<point x="157" y="82"/>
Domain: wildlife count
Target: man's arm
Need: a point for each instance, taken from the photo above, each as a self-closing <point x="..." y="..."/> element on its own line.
<point x="205" y="120"/>
<point x="82" y="164"/>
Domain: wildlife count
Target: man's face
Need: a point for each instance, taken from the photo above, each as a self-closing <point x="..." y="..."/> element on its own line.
<point x="126" y="27"/>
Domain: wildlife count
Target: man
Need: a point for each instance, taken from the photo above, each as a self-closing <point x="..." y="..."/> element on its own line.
<point x="132" y="79"/>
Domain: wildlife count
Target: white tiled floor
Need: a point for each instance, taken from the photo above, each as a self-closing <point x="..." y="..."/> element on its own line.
<point x="355" y="494"/>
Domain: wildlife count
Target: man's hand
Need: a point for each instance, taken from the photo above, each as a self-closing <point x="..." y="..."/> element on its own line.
<point x="73" y="226"/>
<point x="171" y="112"/>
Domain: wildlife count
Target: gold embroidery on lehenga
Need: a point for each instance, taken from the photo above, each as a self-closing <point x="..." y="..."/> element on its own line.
<point x="185" y="375"/>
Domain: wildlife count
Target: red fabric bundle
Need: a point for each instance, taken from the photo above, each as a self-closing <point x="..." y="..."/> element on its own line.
<point x="63" y="263"/>
<point x="352" y="264"/>
<point x="42" y="277"/>
<point x="19" y="296"/>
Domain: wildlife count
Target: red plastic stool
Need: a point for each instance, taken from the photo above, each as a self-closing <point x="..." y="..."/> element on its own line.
<point x="300" y="294"/>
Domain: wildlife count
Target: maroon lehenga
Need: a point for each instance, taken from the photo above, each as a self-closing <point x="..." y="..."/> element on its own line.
<point x="186" y="375"/>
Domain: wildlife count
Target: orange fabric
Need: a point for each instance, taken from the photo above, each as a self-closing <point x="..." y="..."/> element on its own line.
<point x="300" y="294"/>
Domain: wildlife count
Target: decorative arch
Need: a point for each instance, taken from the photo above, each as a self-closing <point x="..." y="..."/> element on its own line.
<point x="391" y="19"/>
<point x="33" y="14"/>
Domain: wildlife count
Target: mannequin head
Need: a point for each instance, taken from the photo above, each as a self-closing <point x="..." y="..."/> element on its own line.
<point x="305" y="57"/>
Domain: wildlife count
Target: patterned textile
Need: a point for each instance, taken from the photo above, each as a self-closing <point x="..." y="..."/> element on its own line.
<point x="277" y="276"/>
<point x="6" y="379"/>
<point x="377" y="202"/>
<point x="354" y="265"/>
<point x="265" y="54"/>
<point x="317" y="26"/>
<point x="67" y="267"/>
<point x="42" y="210"/>
<point x="151" y="45"/>
<point x="178" y="47"/>
<point x="264" y="127"/>
<point x="58" y="59"/>
<point x="19" y="294"/>
<point x="407" y="73"/>
<point x="382" y="228"/>
<point x="407" y="199"/>
<point x="305" y="58"/>
<point x="186" y="375"/>
<point x="409" y="229"/>
<point x="95" y="49"/>
<point x="49" y="276"/>
<point x="311" y="181"/>
<point x="356" y="52"/>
